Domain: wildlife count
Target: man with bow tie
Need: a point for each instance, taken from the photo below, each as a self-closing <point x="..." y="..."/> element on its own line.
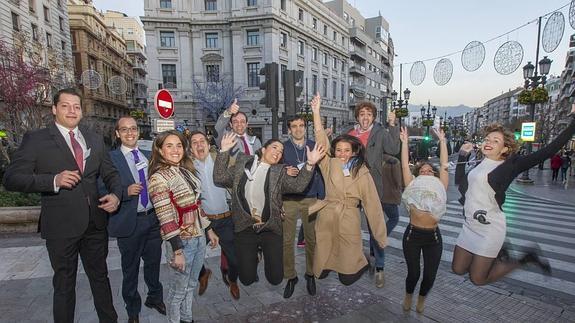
<point x="63" y="162"/>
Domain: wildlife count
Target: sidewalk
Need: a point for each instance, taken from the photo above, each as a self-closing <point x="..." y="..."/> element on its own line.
<point x="544" y="188"/>
<point x="26" y="295"/>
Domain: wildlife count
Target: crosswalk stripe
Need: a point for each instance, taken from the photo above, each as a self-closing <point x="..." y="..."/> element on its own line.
<point x="521" y="199"/>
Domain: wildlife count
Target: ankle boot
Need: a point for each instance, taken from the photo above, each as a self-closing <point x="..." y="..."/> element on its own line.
<point x="532" y="257"/>
<point x="420" y="304"/>
<point x="407" y="302"/>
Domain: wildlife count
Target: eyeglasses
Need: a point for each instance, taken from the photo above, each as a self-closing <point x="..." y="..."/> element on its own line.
<point x="126" y="130"/>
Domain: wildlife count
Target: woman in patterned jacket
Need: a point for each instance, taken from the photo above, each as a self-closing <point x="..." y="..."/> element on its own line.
<point x="175" y="192"/>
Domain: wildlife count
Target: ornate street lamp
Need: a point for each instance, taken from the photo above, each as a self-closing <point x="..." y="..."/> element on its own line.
<point x="400" y="105"/>
<point x="535" y="91"/>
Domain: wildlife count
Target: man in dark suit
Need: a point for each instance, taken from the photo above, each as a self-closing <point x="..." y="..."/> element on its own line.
<point x="63" y="162"/>
<point x="135" y="224"/>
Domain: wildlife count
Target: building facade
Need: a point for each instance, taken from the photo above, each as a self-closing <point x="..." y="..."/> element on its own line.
<point x="130" y="29"/>
<point x="201" y="46"/>
<point x="102" y="66"/>
<point x="43" y="27"/>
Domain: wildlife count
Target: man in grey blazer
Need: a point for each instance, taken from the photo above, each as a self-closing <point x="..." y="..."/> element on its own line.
<point x="378" y="140"/>
<point x="238" y="123"/>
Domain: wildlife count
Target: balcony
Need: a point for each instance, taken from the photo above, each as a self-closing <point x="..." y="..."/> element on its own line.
<point x="359" y="35"/>
<point x="357" y="69"/>
<point x="358" y="52"/>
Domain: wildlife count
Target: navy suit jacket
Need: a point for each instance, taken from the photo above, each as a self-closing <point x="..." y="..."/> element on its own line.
<point x="123" y="223"/>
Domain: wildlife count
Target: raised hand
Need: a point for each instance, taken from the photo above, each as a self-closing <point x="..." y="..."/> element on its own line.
<point x="391" y="118"/>
<point x="329" y="131"/>
<point x="315" y="103"/>
<point x="403" y="135"/>
<point x="314" y="156"/>
<point x="466" y="147"/>
<point x="234" y="108"/>
<point x="440" y="134"/>
<point x="228" y="141"/>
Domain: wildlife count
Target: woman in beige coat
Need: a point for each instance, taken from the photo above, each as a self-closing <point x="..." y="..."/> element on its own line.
<point x="348" y="185"/>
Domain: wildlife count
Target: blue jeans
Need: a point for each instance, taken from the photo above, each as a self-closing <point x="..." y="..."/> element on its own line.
<point x="392" y="212"/>
<point x="183" y="284"/>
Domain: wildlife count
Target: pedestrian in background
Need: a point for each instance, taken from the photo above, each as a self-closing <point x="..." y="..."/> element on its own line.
<point x="556" y="162"/>
<point x="175" y="192"/>
<point x="425" y="198"/>
<point x="565" y="165"/>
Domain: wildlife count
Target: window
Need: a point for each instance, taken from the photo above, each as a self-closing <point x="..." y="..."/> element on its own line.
<point x="166" y="4"/>
<point x="46" y="14"/>
<point x="334" y="63"/>
<point x="283" y="4"/>
<point x="314" y="23"/>
<point x="61" y="23"/>
<point x="252" y="3"/>
<point x="211" y="40"/>
<point x="334" y="35"/>
<point x="325" y="30"/>
<point x="32" y="6"/>
<point x="253" y="74"/>
<point x="253" y="37"/>
<point x="283" y="40"/>
<point x="130" y="45"/>
<point x="169" y="74"/>
<point x="300" y="14"/>
<point x="63" y="46"/>
<point x="300" y="47"/>
<point x="343" y="41"/>
<point x="59" y="3"/>
<point x="324" y="87"/>
<point x="314" y="84"/>
<point x="334" y="89"/>
<point x="15" y="22"/>
<point x="34" y="32"/>
<point x="342" y="91"/>
<point x="211" y="5"/>
<point x="213" y="73"/>
<point x="343" y="66"/>
<point x="346" y="16"/>
<point x="325" y="58"/>
<point x="283" y="74"/>
<point x="167" y="39"/>
<point x="48" y="40"/>
<point x="314" y="54"/>
<point x="351" y="21"/>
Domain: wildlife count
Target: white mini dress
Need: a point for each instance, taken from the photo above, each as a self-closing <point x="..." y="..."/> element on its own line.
<point x="484" y="228"/>
<point x="426" y="193"/>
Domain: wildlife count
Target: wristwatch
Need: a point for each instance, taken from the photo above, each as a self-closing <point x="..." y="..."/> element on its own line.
<point x="227" y="114"/>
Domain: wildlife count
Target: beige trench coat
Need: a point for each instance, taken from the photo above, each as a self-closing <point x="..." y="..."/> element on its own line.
<point x="339" y="245"/>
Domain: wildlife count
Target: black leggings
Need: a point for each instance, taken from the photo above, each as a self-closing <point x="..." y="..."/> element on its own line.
<point x="247" y="244"/>
<point x="555" y="174"/>
<point x="416" y="240"/>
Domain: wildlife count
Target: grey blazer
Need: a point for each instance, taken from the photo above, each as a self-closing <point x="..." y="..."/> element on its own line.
<point x="382" y="140"/>
<point x="222" y="127"/>
<point x="277" y="183"/>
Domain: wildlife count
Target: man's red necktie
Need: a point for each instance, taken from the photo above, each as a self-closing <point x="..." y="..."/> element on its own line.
<point x="78" y="151"/>
<point x="246" y="147"/>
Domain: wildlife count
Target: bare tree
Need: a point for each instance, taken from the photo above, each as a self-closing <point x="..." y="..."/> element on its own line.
<point x="216" y="93"/>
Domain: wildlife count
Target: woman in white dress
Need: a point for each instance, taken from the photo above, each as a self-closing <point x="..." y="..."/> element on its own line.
<point x="483" y="193"/>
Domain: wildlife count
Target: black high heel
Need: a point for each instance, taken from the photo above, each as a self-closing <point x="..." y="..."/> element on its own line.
<point x="532" y="257"/>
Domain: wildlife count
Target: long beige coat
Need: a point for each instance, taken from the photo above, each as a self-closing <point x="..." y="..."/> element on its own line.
<point x="339" y="245"/>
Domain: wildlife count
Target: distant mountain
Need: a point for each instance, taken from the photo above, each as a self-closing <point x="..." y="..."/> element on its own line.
<point x="452" y="111"/>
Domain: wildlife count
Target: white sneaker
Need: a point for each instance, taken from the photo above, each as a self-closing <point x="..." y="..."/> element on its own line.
<point x="379" y="279"/>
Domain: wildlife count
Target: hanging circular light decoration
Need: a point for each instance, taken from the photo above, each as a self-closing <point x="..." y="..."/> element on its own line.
<point x="443" y="71"/>
<point x="417" y="73"/>
<point x="572" y="14"/>
<point x="91" y="79"/>
<point x="473" y="56"/>
<point x="508" y="57"/>
<point x="117" y="85"/>
<point x="553" y="31"/>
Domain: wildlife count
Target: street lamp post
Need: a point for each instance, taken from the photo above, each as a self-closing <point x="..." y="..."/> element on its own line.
<point x="400" y="105"/>
<point x="427" y="120"/>
<point x="534" y="81"/>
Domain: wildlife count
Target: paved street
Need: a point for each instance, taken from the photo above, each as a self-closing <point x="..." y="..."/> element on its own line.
<point x="525" y="296"/>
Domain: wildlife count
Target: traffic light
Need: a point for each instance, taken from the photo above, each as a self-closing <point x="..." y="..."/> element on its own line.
<point x="517" y="134"/>
<point x="270" y="85"/>
<point x="293" y="89"/>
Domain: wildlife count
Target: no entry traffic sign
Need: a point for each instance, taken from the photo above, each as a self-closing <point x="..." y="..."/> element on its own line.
<point x="164" y="103"/>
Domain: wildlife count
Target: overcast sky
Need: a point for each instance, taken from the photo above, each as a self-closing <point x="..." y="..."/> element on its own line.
<point x="423" y="29"/>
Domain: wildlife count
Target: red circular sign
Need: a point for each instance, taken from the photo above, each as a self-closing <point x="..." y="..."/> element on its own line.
<point x="164" y="103"/>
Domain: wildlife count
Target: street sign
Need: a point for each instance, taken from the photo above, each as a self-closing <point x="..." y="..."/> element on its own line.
<point x="528" y="131"/>
<point x="164" y="103"/>
<point x="161" y="125"/>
